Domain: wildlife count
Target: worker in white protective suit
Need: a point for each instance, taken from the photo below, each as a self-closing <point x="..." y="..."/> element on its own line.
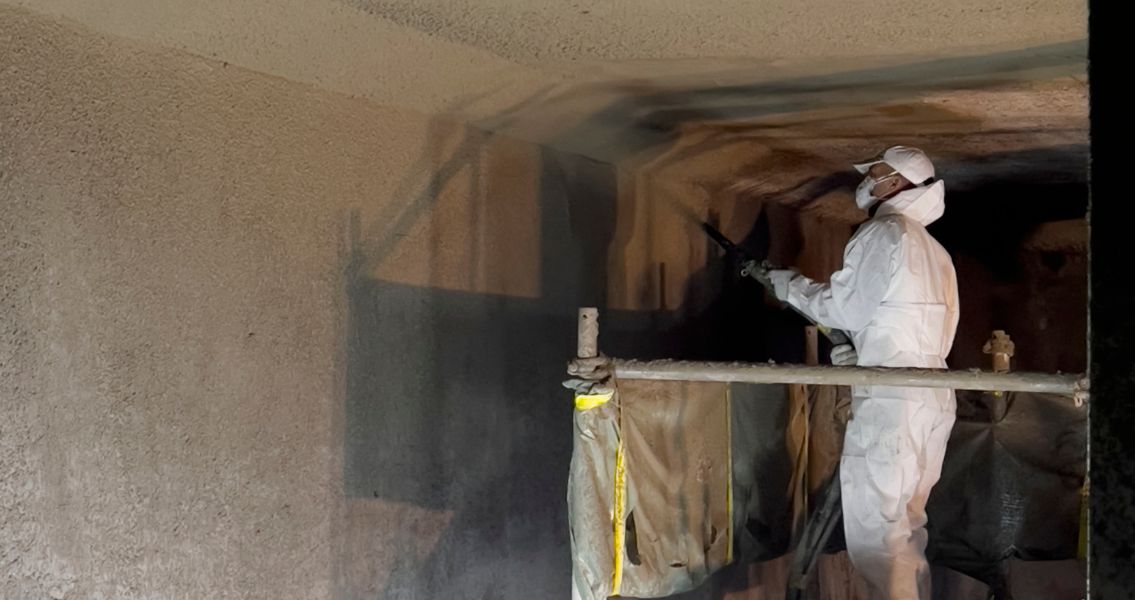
<point x="897" y="298"/>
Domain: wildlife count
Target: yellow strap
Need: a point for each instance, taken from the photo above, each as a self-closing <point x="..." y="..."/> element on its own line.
<point x="590" y="401"/>
<point x="729" y="469"/>
<point x="619" y="519"/>
<point x="1082" y="549"/>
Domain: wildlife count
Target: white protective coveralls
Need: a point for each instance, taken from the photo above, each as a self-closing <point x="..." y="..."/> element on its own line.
<point x="896" y="296"/>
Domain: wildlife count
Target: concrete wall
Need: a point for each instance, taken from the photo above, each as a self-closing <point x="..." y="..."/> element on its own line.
<point x="272" y="328"/>
<point x="184" y="259"/>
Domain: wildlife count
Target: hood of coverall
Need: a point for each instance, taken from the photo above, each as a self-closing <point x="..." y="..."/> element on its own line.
<point x="924" y="204"/>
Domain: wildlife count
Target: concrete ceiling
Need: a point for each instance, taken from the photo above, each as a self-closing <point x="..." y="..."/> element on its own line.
<point x="430" y="55"/>
<point x="539" y="31"/>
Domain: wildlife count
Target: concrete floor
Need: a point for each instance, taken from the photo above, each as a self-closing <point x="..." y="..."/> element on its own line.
<point x="288" y="288"/>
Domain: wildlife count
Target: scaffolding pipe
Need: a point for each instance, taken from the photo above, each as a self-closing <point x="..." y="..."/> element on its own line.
<point x="1075" y="386"/>
<point x="587" y="338"/>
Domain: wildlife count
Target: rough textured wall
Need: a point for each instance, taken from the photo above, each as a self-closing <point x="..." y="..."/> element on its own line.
<point x="187" y="247"/>
<point x="172" y="318"/>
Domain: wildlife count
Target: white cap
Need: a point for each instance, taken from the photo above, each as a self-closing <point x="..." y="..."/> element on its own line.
<point x="911" y="163"/>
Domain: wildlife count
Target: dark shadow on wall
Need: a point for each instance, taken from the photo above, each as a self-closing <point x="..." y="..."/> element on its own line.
<point x="453" y="400"/>
<point x="454" y="403"/>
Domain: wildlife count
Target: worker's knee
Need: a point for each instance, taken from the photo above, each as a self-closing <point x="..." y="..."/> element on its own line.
<point x="876" y="490"/>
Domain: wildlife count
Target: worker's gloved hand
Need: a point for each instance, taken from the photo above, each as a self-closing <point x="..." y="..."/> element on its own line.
<point x="780" y="279"/>
<point x="758" y="271"/>
<point x="844" y="355"/>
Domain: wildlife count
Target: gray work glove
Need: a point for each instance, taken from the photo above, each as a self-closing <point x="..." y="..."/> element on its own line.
<point x="844" y="355"/>
<point x="780" y="279"/>
<point x="758" y="271"/>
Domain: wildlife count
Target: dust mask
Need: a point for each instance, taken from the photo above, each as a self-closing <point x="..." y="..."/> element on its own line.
<point x="863" y="197"/>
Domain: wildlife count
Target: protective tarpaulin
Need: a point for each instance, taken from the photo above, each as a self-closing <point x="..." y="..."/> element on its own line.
<point x="669" y="479"/>
<point x="591" y="497"/>
<point x="649" y="493"/>
<point x="1011" y="484"/>
<point x="763" y="464"/>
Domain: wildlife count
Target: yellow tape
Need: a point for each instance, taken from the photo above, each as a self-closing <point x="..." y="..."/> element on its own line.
<point x="620" y="519"/>
<point x="590" y="401"/>
<point x="1082" y="546"/>
<point x="729" y="470"/>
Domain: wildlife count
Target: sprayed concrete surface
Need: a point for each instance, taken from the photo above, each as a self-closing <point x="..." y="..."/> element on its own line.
<point x="433" y="55"/>
<point x="273" y="326"/>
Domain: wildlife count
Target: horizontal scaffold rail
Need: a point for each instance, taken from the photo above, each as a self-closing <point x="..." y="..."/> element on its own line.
<point x="673" y="370"/>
